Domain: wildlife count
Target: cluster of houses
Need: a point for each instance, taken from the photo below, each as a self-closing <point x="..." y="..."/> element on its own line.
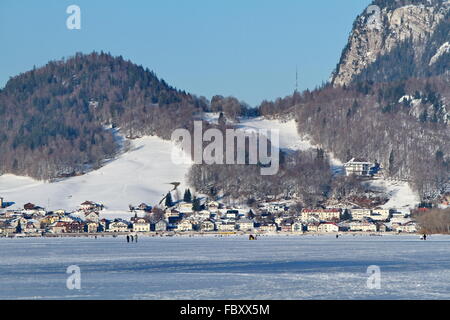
<point x="266" y="217"/>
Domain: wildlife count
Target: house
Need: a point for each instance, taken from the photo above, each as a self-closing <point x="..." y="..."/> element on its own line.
<point x="50" y="219"/>
<point x="226" y="226"/>
<point x="92" y="216"/>
<point x="141" y="225"/>
<point x="320" y="214"/>
<point x="268" y="227"/>
<point x="363" y="226"/>
<point x="159" y="226"/>
<point x="90" y="205"/>
<point x="207" y="226"/>
<point x="2" y="204"/>
<point x="381" y="227"/>
<point x="409" y="227"/>
<point x="313" y="227"/>
<point x="360" y="214"/>
<point x="212" y="206"/>
<point x="58" y="227"/>
<point x="32" y="226"/>
<point x="232" y="214"/>
<point x="118" y="226"/>
<point x="327" y="227"/>
<point x="380" y="214"/>
<point x="29" y="206"/>
<point x="171" y="213"/>
<point x="358" y="167"/>
<point x="185" y="225"/>
<point x="399" y="218"/>
<point x="91" y="227"/>
<point x="184" y="207"/>
<point x="75" y="227"/>
<point x="245" y="224"/>
<point x="65" y="219"/>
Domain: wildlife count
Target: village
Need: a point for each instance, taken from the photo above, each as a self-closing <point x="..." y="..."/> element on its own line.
<point x="213" y="217"/>
<point x="193" y="215"/>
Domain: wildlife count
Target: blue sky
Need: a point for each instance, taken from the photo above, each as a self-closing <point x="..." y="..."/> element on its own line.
<point x="246" y="48"/>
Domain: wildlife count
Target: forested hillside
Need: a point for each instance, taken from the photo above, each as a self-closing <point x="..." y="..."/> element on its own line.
<point x="388" y="100"/>
<point x="54" y="120"/>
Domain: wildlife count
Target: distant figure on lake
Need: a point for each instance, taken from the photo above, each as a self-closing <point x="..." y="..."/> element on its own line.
<point x="128" y="238"/>
<point x="136" y="238"/>
<point x="132" y="239"/>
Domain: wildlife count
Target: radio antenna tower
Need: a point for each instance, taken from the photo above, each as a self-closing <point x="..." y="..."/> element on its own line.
<point x="296" y="79"/>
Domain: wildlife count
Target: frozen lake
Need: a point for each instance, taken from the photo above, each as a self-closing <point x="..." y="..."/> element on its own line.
<point x="279" y="267"/>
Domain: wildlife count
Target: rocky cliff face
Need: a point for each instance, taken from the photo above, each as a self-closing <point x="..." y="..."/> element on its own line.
<point x="386" y="26"/>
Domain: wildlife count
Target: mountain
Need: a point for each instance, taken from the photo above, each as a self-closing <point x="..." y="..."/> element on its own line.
<point x="388" y="100"/>
<point x="397" y="40"/>
<point x="60" y="120"/>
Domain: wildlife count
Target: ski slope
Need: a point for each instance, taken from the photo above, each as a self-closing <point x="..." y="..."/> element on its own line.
<point x="140" y="175"/>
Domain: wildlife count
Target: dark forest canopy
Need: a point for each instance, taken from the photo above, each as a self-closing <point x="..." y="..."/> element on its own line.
<point x="403" y="125"/>
<point x="53" y="119"/>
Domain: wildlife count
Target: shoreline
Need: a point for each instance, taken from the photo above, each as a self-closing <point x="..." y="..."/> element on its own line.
<point x="211" y="234"/>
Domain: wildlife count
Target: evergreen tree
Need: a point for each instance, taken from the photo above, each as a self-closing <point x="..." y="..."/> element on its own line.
<point x="19" y="227"/>
<point x="169" y="201"/>
<point x="187" y="196"/>
<point x="222" y="121"/>
<point x="196" y="206"/>
<point x="346" y="215"/>
<point x="391" y="163"/>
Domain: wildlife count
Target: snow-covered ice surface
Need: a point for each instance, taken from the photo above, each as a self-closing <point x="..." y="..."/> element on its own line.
<point x="140" y="175"/>
<point x="276" y="267"/>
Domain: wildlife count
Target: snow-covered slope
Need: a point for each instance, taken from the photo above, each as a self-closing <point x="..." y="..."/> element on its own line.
<point x="401" y="196"/>
<point x="140" y="175"/>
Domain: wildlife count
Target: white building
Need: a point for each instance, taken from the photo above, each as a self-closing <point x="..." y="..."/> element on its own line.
<point x="409" y="227"/>
<point x="362" y="226"/>
<point x="327" y="227"/>
<point x="118" y="226"/>
<point x="358" y="167"/>
<point x="380" y="214"/>
<point x="207" y="226"/>
<point x="141" y="225"/>
<point x="226" y="227"/>
<point x="320" y="214"/>
<point x="360" y="214"/>
<point x="185" y="225"/>
<point x="245" y="224"/>
<point x="160" y="226"/>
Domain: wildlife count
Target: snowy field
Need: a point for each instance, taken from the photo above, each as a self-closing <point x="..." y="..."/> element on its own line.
<point x="141" y="175"/>
<point x="276" y="267"/>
